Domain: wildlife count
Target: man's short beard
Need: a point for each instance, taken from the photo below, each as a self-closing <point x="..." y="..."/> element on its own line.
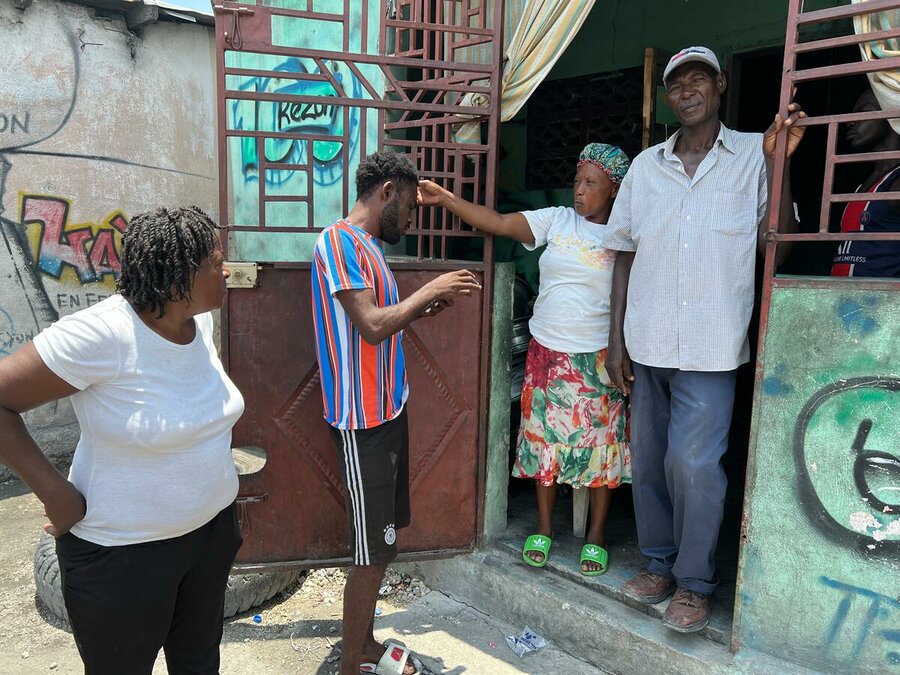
<point x="389" y="222"/>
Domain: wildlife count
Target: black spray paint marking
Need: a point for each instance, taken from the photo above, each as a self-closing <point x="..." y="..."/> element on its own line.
<point x="865" y="460"/>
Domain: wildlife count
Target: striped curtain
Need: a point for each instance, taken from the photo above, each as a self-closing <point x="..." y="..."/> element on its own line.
<point x="543" y="30"/>
<point x="886" y="84"/>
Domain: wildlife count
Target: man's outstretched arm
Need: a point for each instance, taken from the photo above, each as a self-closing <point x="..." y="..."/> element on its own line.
<point x="375" y="324"/>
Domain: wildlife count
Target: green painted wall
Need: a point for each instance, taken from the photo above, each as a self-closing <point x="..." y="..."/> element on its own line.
<point x="329" y="162"/>
<point x="497" y="473"/>
<point x="820" y="571"/>
<point x="617" y="31"/>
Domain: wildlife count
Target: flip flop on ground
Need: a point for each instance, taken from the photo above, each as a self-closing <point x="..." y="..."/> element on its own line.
<point x="537" y="543"/>
<point x="392" y="662"/>
<point x="594" y="553"/>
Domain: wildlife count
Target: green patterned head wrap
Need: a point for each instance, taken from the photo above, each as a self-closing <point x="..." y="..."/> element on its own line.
<point x="611" y="159"/>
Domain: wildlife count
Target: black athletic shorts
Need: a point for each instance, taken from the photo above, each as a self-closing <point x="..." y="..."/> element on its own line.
<point x="375" y="469"/>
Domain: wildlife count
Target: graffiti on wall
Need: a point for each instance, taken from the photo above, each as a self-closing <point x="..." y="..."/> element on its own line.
<point x="91" y="250"/>
<point x="51" y="262"/>
<point x="84" y="257"/>
<point x="319" y="143"/>
<point x="326" y="159"/>
<point x="10" y="123"/>
<point x="35" y="104"/>
<point x="821" y="555"/>
<point x="9" y="338"/>
<point x="853" y="492"/>
<point x="877" y="620"/>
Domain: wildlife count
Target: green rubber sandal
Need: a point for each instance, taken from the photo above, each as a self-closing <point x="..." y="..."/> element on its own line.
<point x="595" y="554"/>
<point x="536" y="543"/>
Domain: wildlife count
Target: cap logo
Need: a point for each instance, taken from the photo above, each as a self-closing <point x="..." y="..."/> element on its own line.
<point x="695" y="53"/>
<point x="689" y="50"/>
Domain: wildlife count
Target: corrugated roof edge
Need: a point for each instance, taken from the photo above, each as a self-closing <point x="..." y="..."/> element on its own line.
<point x="167" y="11"/>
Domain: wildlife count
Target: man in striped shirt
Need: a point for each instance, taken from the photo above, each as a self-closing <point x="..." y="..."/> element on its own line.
<point x="687" y="222"/>
<point x="358" y="318"/>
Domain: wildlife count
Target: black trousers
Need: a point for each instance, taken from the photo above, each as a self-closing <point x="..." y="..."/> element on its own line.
<point x="125" y="603"/>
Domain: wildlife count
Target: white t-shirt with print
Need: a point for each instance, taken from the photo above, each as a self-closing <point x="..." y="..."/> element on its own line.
<point x="154" y="459"/>
<point x="571" y="313"/>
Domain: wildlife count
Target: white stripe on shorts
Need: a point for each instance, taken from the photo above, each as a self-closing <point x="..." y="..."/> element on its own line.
<point x="357" y="496"/>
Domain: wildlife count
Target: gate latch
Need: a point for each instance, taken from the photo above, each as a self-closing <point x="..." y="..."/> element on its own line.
<point x="243" y="275"/>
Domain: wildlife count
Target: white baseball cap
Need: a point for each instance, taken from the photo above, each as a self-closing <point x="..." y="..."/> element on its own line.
<point x="690" y="54"/>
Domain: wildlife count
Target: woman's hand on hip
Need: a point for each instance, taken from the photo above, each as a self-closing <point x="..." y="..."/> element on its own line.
<point x="64" y="510"/>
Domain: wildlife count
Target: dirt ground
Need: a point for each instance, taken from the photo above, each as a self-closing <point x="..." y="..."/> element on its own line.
<point x="296" y="632"/>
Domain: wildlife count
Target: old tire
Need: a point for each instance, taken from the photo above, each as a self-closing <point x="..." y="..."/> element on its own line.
<point x="244" y="591"/>
<point x="46" y="577"/>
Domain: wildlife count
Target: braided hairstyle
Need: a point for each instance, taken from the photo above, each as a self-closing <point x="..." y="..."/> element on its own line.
<point x="161" y="252"/>
<point x="380" y="167"/>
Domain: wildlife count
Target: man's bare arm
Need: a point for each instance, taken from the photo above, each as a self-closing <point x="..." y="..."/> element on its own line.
<point x="375" y="324"/>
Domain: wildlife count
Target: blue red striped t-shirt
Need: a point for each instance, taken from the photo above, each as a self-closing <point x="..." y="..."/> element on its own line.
<point x="363" y="385"/>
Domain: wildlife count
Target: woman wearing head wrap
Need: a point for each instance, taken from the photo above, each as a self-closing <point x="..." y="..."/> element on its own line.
<point x="574" y="423"/>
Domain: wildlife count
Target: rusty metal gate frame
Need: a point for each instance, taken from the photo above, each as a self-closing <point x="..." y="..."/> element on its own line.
<point x="797" y="19"/>
<point x="791" y="76"/>
<point x="431" y="38"/>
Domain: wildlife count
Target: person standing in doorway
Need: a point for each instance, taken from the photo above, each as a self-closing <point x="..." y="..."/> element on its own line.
<point x="359" y="318"/>
<point x="871" y="258"/>
<point x="689" y="217"/>
<point x="574" y="426"/>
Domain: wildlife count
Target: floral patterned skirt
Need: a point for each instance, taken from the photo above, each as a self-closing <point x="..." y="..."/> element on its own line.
<point x="574" y="422"/>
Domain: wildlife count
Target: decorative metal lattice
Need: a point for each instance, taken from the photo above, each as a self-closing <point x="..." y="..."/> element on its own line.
<point x="308" y="87"/>
<point x="565" y="115"/>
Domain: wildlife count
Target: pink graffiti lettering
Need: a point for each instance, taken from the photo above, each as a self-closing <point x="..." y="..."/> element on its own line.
<point x="91" y="250"/>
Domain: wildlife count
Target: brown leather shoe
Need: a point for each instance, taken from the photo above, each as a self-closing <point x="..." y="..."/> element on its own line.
<point x="688" y="612"/>
<point x="649" y="588"/>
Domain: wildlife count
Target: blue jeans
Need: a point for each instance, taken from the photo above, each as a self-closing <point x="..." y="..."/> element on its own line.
<point x="679" y="433"/>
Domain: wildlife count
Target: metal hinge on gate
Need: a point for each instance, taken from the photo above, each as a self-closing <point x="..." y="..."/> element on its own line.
<point x="243" y="275"/>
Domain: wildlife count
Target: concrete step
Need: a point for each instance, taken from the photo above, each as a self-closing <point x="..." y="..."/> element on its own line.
<point x="591" y="626"/>
<point x="625" y="562"/>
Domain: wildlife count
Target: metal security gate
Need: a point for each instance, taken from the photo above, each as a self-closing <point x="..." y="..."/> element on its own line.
<point x="820" y="538"/>
<point x="305" y="89"/>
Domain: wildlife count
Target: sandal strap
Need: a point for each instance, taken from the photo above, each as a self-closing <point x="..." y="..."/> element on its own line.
<point x="393" y="661"/>
<point x="594" y="553"/>
<point x="538" y="542"/>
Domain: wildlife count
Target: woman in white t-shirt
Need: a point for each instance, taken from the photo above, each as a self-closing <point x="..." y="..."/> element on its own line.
<point x="574" y="422"/>
<point x="145" y="524"/>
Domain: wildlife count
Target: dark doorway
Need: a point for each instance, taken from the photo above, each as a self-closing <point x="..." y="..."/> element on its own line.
<point x="756" y="83"/>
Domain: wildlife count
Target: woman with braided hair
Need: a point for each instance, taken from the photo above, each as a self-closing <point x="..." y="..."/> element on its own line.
<point x="145" y="525"/>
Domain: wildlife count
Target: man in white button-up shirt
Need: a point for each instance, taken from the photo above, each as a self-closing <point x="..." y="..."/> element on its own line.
<point x="687" y="222"/>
